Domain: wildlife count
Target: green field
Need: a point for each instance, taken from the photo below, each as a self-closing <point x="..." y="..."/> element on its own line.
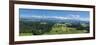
<point x="56" y="29"/>
<point x="25" y="34"/>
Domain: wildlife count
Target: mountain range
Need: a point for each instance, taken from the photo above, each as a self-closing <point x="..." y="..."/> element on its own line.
<point x="56" y="20"/>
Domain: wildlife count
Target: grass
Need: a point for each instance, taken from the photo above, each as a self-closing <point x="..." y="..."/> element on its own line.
<point x="61" y="29"/>
<point x="58" y="31"/>
<point x="64" y="31"/>
<point x="25" y="34"/>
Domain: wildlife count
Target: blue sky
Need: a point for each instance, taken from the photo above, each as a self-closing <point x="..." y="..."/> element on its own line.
<point x="83" y="15"/>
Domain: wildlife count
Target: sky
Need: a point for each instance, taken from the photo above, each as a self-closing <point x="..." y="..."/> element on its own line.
<point x="60" y="14"/>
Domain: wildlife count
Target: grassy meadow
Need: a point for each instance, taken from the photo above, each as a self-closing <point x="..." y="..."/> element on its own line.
<point x="41" y="28"/>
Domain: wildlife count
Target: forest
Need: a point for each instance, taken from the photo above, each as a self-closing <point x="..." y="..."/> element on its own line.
<point x="50" y="27"/>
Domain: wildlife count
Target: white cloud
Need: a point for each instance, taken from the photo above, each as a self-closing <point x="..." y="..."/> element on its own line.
<point x="71" y="16"/>
<point x="57" y="17"/>
<point x="84" y="19"/>
<point x="77" y="17"/>
<point x="37" y="16"/>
